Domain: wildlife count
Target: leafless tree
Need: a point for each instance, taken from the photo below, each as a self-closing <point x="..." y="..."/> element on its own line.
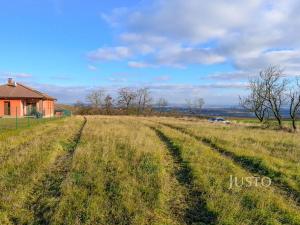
<point x="294" y="96"/>
<point x="267" y="94"/>
<point x="274" y="86"/>
<point x="199" y="103"/>
<point x="194" y="106"/>
<point x="95" y="98"/>
<point x="254" y="102"/>
<point x="108" y="104"/>
<point x="162" y="103"/>
<point x="79" y="107"/>
<point x="126" y="97"/>
<point x="189" y="105"/>
<point x="143" y="99"/>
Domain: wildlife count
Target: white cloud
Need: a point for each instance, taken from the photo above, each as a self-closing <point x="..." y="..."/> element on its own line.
<point x="289" y="59"/>
<point x="64" y="94"/>
<point x="192" y="20"/>
<point x="249" y="35"/>
<point x="92" y="67"/>
<point x="114" y="18"/>
<point x="114" y="53"/>
<point x="172" y="33"/>
<point x="176" y="55"/>
<point x="139" y="65"/>
<point x="236" y="75"/>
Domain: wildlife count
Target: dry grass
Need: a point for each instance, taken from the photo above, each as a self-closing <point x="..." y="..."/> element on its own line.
<point x="239" y="205"/>
<point x="28" y="164"/>
<point x="272" y="153"/>
<point x="134" y="170"/>
<point x="121" y="174"/>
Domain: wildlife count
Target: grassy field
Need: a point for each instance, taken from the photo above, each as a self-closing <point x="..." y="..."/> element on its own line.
<point x="135" y="170"/>
<point x="271" y="122"/>
<point x="14" y="123"/>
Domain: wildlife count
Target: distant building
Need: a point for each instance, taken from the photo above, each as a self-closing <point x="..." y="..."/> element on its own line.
<point x="19" y="100"/>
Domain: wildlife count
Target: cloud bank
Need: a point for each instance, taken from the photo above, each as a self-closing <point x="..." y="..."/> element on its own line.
<point x="179" y="33"/>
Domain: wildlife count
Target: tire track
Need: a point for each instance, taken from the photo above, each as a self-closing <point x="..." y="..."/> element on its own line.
<point x="197" y="211"/>
<point x="46" y="194"/>
<point x="253" y="165"/>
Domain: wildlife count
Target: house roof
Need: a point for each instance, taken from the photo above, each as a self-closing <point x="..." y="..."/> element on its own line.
<point x="18" y="90"/>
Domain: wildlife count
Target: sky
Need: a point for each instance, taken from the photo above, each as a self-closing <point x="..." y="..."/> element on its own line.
<point x="179" y="49"/>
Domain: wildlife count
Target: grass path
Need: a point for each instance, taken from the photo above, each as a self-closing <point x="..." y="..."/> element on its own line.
<point x="197" y="211"/>
<point x="46" y="194"/>
<point x="252" y="164"/>
<point x="120" y="174"/>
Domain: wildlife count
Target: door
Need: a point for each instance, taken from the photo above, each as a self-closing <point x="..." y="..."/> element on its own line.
<point x="7" y="108"/>
<point x="31" y="109"/>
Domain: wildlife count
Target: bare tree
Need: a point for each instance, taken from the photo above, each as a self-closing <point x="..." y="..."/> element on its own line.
<point x="294" y="96"/>
<point x="95" y="98"/>
<point x="162" y="103"/>
<point x="189" y="105"/>
<point x="126" y="97"/>
<point x="267" y="94"/>
<point x="79" y="107"/>
<point x="143" y="99"/>
<point x="199" y="103"/>
<point x="108" y="104"/>
<point x="254" y="102"/>
<point x="195" y="105"/>
<point x="274" y="86"/>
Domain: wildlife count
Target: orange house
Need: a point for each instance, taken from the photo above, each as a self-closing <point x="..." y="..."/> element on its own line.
<point x="19" y="100"/>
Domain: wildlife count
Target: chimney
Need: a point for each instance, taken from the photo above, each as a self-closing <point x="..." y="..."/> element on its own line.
<point x="10" y="82"/>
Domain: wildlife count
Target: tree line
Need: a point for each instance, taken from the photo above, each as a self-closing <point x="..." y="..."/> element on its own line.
<point x="130" y="101"/>
<point x="270" y="92"/>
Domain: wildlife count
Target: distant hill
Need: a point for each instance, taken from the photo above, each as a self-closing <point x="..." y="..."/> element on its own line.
<point x="221" y="111"/>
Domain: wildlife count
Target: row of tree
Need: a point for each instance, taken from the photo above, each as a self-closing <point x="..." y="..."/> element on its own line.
<point x="270" y="92"/>
<point x="129" y="101"/>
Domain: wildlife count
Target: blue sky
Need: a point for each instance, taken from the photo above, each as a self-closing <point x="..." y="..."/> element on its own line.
<point x="178" y="48"/>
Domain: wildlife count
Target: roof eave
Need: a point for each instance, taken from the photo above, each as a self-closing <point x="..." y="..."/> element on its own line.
<point x="14" y="98"/>
<point x="51" y="99"/>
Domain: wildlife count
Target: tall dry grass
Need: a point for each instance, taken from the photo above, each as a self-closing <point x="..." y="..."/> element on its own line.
<point x="237" y="205"/>
<point x="121" y="174"/>
<point x="20" y="171"/>
<point x="272" y="153"/>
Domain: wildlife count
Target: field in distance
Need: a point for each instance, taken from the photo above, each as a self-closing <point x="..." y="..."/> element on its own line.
<point x="155" y="170"/>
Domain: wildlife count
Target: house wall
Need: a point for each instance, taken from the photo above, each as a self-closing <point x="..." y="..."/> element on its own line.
<point x="1" y="108"/>
<point x="16" y="108"/>
<point x="21" y="108"/>
<point x="48" y="108"/>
